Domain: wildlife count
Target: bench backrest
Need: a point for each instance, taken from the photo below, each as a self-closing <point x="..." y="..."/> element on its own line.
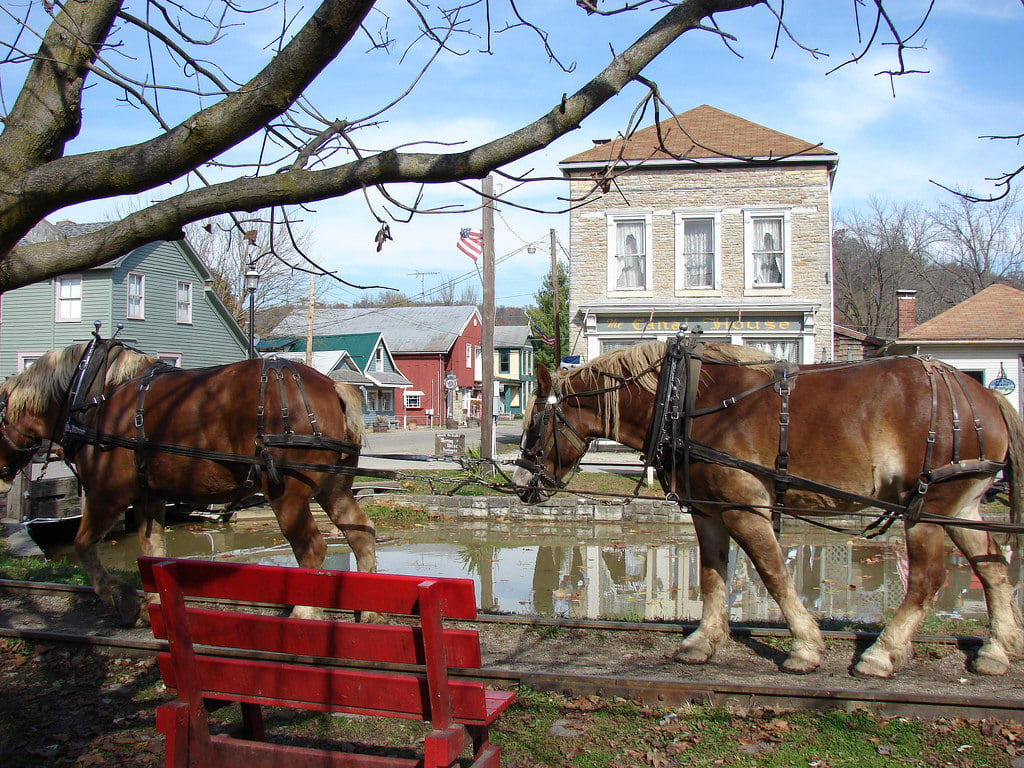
<point x="214" y="668"/>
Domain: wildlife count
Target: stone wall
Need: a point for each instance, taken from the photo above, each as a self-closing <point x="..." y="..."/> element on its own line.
<point x="803" y="189"/>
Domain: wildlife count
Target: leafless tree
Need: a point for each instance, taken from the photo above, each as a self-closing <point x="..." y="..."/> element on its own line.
<point x="231" y="247"/>
<point x="978" y="243"/>
<point x="877" y="251"/>
<point x="232" y="141"/>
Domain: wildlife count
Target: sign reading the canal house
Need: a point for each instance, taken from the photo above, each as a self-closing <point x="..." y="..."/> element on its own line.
<point x="705" y="323"/>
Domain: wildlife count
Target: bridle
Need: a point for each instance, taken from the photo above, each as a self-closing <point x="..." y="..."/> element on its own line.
<point x="35" y="443"/>
<point x="548" y="440"/>
<point x="553" y="430"/>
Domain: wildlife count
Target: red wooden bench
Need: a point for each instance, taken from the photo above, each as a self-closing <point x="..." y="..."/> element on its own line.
<point x="204" y="666"/>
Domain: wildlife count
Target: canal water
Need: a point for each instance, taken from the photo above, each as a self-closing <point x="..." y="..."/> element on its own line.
<point x="608" y="571"/>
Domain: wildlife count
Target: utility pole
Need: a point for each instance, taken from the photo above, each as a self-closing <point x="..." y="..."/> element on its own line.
<point x="555" y="302"/>
<point x="309" y="321"/>
<point x="487" y="341"/>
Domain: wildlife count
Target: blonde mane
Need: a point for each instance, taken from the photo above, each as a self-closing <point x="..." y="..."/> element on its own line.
<point x="646" y="357"/>
<point x="46" y="381"/>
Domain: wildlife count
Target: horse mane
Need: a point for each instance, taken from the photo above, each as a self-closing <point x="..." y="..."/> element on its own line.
<point x="47" y="380"/>
<point x="645" y="359"/>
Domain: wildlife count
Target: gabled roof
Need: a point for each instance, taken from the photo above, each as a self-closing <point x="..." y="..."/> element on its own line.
<point x="994" y="314"/>
<point x="703" y="134"/>
<point x="337" y="364"/>
<point x="407" y="329"/>
<point x="512" y="336"/>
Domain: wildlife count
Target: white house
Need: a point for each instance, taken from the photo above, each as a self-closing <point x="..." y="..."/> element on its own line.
<point x="982" y="336"/>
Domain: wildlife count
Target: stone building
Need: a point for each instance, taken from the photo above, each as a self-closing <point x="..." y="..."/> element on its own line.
<point x="722" y="225"/>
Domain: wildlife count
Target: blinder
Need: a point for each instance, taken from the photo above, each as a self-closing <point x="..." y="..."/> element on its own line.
<point x="544" y="435"/>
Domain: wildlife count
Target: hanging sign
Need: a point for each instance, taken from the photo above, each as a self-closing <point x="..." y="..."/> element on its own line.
<point x="1002" y="384"/>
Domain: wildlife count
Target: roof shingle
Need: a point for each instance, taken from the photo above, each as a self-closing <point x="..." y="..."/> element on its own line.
<point x="703" y="133"/>
<point x="996" y="313"/>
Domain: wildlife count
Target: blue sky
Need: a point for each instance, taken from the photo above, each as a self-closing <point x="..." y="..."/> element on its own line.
<point x="888" y="147"/>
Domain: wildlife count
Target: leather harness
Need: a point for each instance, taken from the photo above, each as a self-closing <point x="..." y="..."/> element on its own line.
<point x="669" y="444"/>
<point x="80" y="412"/>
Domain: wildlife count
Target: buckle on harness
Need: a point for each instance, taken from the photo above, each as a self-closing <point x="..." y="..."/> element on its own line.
<point x="138" y="420"/>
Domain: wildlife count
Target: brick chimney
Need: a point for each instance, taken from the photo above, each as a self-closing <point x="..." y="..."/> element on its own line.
<point x="906" y="310"/>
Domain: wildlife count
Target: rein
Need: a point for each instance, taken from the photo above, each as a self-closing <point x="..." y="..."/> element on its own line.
<point x="668" y="443"/>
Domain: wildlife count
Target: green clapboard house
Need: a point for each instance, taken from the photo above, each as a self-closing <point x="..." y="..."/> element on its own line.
<point x="159" y="292"/>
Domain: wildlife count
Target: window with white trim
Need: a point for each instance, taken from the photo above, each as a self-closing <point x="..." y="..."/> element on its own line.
<point x="697" y="251"/>
<point x="504" y="361"/>
<point x="766" y="245"/>
<point x="170" y="358"/>
<point x="379" y="365"/>
<point x="413" y="401"/>
<point x="25" y="359"/>
<point x="136" y="296"/>
<point x="183" y="311"/>
<point x="69" y="299"/>
<point x="629" y="252"/>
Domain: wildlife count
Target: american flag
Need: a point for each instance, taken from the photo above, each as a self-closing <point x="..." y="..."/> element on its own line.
<point x="471" y="243"/>
<point x="549" y="340"/>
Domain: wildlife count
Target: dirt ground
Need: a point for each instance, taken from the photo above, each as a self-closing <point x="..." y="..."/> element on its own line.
<point x="62" y="706"/>
<point x="937" y="669"/>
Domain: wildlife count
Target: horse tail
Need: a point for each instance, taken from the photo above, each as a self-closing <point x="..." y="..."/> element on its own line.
<point x="352" y="407"/>
<point x="1014" y="471"/>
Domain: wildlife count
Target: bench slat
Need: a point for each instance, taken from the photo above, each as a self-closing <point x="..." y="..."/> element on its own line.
<point x="346" y="640"/>
<point x="342" y="590"/>
<point x="394" y="694"/>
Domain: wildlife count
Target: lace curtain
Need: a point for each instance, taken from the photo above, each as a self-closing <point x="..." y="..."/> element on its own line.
<point x="780" y="350"/>
<point x="629" y="255"/>
<point x="768" y="251"/>
<point x="699" y="253"/>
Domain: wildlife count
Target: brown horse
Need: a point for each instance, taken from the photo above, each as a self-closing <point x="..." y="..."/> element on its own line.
<point x="861" y="428"/>
<point x="212" y="410"/>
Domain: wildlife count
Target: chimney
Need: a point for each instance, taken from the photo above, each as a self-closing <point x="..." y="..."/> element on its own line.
<point x="906" y="310"/>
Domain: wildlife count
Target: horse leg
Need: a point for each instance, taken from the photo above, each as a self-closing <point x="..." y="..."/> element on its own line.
<point x="298" y="526"/>
<point x="926" y="568"/>
<point x="97" y="519"/>
<point x="754" y="533"/>
<point x="336" y="497"/>
<point x="151" y="543"/>
<point x="713" y="630"/>
<point x="1006" y="640"/>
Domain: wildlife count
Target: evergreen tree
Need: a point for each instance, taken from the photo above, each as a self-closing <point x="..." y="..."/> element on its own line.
<point x="543" y="316"/>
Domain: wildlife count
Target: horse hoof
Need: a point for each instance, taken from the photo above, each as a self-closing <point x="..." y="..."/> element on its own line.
<point x="869" y="667"/>
<point x="370" y="617"/>
<point x="691" y="655"/>
<point x="990" y="661"/>
<point x="126" y="604"/>
<point x="796" y="665"/>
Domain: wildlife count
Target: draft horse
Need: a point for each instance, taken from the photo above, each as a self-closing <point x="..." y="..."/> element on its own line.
<point x="138" y="432"/>
<point x="735" y="437"/>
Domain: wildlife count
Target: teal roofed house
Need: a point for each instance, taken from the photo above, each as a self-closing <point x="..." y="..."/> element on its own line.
<point x="160" y="292"/>
<point x="366" y="362"/>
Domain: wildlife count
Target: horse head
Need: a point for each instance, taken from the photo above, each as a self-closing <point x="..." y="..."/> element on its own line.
<point x="554" y="439"/>
<point x="21" y="436"/>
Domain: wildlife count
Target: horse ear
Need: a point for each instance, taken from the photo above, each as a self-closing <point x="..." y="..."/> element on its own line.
<point x="543" y="378"/>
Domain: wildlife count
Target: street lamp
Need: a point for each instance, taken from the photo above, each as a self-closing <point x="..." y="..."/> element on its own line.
<point x="252" y="281"/>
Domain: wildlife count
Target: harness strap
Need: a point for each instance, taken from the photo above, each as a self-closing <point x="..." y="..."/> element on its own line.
<point x="785" y="379"/>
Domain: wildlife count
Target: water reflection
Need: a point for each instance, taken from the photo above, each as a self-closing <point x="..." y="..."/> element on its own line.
<point x="644" y="572"/>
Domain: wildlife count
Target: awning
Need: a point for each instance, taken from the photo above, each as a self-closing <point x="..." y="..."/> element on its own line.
<point x="414" y="392"/>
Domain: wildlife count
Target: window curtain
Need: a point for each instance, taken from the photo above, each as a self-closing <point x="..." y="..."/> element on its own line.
<point x="699" y="253"/>
<point x="629" y="253"/>
<point x="780" y="350"/>
<point x="768" y="252"/>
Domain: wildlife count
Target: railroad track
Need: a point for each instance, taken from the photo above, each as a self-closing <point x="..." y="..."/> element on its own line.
<point x="657" y="691"/>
